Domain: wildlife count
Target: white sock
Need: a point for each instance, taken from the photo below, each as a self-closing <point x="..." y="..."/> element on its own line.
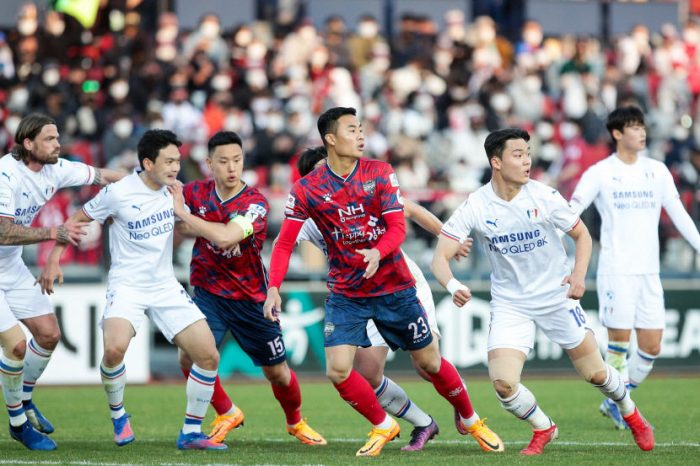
<point x="11" y="377"/>
<point x="200" y="388"/>
<point x="35" y="361"/>
<point x="233" y="409"/>
<point x="523" y="405"/>
<point x="385" y="424"/>
<point x="616" y="356"/>
<point x="615" y="389"/>
<point x="640" y="366"/>
<point x="114" y="381"/>
<point x="471" y="420"/>
<point x="395" y="401"/>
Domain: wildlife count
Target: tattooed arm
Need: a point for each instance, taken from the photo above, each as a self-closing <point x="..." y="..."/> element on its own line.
<point x="103" y="176"/>
<point x="12" y="234"/>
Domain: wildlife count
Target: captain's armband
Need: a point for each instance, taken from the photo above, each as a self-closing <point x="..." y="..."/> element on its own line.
<point x="245" y="224"/>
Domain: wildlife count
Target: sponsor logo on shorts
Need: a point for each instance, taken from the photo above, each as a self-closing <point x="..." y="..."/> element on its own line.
<point x="328" y="329"/>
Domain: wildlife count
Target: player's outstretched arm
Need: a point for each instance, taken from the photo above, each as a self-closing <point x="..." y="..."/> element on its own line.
<point x="224" y="236"/>
<point x="279" y="264"/>
<point x="12" y="234"/>
<point x="52" y="269"/>
<point x="105" y="176"/>
<point x="584" y="246"/>
<point x="445" y="250"/>
<point x="683" y="222"/>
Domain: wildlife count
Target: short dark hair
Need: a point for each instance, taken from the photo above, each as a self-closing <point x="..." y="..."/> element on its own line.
<point x="309" y="158"/>
<point x="153" y="141"/>
<point x="328" y="121"/>
<point x="223" y="138"/>
<point x="29" y="127"/>
<point x="622" y="117"/>
<point x="496" y="141"/>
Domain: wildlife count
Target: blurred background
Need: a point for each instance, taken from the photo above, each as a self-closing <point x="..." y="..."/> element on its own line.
<point x="430" y="79"/>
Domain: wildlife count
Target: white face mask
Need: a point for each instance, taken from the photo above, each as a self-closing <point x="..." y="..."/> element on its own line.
<point x="27" y="27"/>
<point x="166" y="53"/>
<point x="256" y="78"/>
<point x="210" y="29"/>
<point x="319" y="58"/>
<point x="51" y="77"/>
<point x="86" y="120"/>
<point x="459" y="93"/>
<point x="199" y="153"/>
<point x="231" y="123"/>
<point x="257" y="51"/>
<point x="372" y="110"/>
<point x="166" y="34"/>
<point x="545" y="130"/>
<point x="243" y="38"/>
<point x="18" y="100"/>
<point x="12" y="123"/>
<point x="367" y="29"/>
<point x="56" y="27"/>
<point x="533" y="37"/>
<point x="119" y="89"/>
<point x="275" y="122"/>
<point x="532" y="84"/>
<point x="221" y="82"/>
<point x="123" y="128"/>
<point x="501" y="102"/>
<point x="157" y="124"/>
<point x="568" y="130"/>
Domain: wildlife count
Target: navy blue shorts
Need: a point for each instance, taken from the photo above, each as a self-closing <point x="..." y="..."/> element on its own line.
<point x="399" y="317"/>
<point x="260" y="338"/>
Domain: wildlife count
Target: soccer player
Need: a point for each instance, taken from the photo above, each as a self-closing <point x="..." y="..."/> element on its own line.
<point x="628" y="189"/>
<point x="229" y="219"/>
<point x="370" y="361"/>
<point x="29" y="176"/>
<point x="142" y="282"/>
<point x="356" y="205"/>
<point x="516" y="220"/>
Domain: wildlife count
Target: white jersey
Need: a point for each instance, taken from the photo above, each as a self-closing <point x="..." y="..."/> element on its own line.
<point x="24" y="192"/>
<point x="141" y="235"/>
<point x="528" y="261"/>
<point x="629" y="199"/>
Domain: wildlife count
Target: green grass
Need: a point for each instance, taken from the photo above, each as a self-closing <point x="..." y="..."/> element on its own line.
<point x="84" y="436"/>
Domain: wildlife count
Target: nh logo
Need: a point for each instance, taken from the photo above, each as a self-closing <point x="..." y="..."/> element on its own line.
<point x="350" y="211"/>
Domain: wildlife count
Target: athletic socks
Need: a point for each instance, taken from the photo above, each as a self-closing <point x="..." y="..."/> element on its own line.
<point x="35" y="361"/>
<point x="615" y="389"/>
<point x="394" y="400"/>
<point x="523" y="405"/>
<point x="200" y="387"/>
<point x="640" y="365"/>
<point x="358" y="393"/>
<point x="11" y="372"/>
<point x="289" y="398"/>
<point x="114" y="381"/>
<point x="449" y="384"/>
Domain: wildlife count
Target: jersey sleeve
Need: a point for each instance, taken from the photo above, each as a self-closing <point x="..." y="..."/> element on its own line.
<point x="102" y="206"/>
<point x="669" y="191"/>
<point x="73" y="174"/>
<point x="388" y="188"/>
<point x="461" y="222"/>
<point x="561" y="214"/>
<point x="7" y="196"/>
<point x="586" y="190"/>
<point x="295" y="207"/>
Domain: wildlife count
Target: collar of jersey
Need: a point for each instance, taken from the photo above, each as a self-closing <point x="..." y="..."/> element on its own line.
<point x="222" y="202"/>
<point x="492" y="194"/>
<point x="335" y="175"/>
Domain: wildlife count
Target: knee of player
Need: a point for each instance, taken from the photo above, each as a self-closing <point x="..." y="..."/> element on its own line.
<point x="653" y="350"/>
<point x="19" y="350"/>
<point x="113" y="355"/>
<point x="504" y="389"/>
<point x="337" y="375"/>
<point x="278" y="374"/>
<point x="597" y="378"/>
<point x="48" y="338"/>
<point x="185" y="361"/>
<point x="209" y="360"/>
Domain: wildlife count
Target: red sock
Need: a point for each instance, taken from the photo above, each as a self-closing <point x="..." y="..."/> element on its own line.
<point x="359" y="394"/>
<point x="290" y="399"/>
<point x="220" y="400"/>
<point x="449" y="384"/>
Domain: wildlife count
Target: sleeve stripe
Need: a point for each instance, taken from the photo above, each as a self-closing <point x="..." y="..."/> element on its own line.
<point x="391" y="211"/>
<point x="91" y="174"/>
<point x="296" y="219"/>
<point x="10" y="216"/>
<point x="451" y="236"/>
<point x="578" y="220"/>
<point x="86" y="213"/>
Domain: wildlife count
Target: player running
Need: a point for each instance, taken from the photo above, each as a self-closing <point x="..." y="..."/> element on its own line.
<point x="356" y="205"/>
<point x="229" y="219"/>
<point x="628" y="189"/>
<point x="516" y="220"/>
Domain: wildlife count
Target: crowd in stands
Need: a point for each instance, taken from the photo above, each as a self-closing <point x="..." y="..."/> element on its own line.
<point x="427" y="96"/>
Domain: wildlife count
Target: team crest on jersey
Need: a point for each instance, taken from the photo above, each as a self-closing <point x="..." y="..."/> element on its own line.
<point x="369" y="187"/>
<point x="255" y="211"/>
<point x="202" y="210"/>
<point x="327" y="197"/>
<point x="393" y="180"/>
<point x="289" y="206"/>
<point x="532" y="214"/>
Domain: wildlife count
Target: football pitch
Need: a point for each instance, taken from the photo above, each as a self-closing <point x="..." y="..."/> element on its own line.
<point x="84" y="435"/>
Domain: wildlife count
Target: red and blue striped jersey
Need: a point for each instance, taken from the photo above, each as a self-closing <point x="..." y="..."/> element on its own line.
<point x="237" y="273"/>
<point x="349" y="213"/>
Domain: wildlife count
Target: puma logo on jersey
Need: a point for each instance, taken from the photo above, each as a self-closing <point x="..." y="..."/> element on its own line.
<point x="6" y="176"/>
<point x="492" y="222"/>
<point x="26" y="195"/>
<point x="137" y="207"/>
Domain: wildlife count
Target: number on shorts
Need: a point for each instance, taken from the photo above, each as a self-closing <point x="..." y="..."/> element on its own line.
<point x="276" y="346"/>
<point x="578" y="315"/>
<point x="413" y="326"/>
<point x="189" y="299"/>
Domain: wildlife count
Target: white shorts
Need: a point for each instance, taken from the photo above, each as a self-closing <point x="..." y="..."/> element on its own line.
<point x="425" y="296"/>
<point x="20" y="297"/>
<point x="513" y="328"/>
<point x="631" y="301"/>
<point x="168" y="306"/>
